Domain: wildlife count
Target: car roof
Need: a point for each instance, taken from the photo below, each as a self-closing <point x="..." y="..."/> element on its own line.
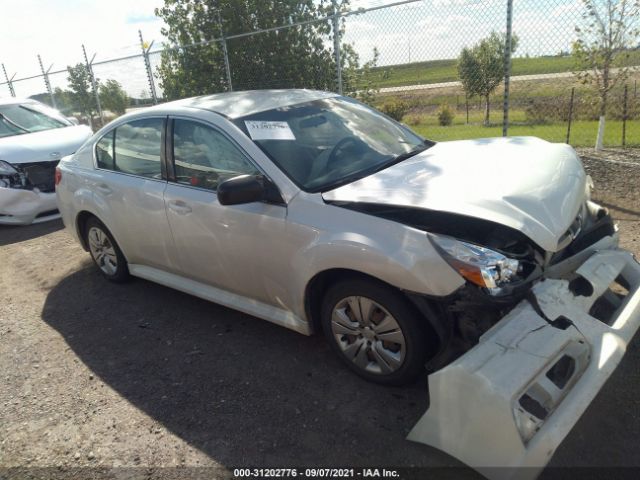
<point x="242" y="103"/>
<point x="15" y="100"/>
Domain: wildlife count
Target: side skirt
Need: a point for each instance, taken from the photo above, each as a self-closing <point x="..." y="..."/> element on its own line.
<point x="258" y="309"/>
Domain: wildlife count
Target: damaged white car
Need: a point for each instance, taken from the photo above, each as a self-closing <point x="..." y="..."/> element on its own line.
<point x="483" y="260"/>
<point x="33" y="139"/>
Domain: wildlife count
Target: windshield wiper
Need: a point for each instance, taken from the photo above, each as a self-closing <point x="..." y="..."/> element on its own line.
<point x="12" y="123"/>
<point x="403" y="156"/>
<point x="365" y="173"/>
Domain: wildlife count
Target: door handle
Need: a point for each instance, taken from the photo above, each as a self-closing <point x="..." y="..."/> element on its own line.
<point x="104" y="189"/>
<point x="179" y="207"/>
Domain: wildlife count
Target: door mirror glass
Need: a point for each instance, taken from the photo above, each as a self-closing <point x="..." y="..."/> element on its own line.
<point x="241" y="189"/>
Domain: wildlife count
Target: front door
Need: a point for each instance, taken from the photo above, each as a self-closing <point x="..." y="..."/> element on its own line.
<point x="229" y="247"/>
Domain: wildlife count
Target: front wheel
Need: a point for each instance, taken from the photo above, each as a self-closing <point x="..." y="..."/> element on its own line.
<point x="105" y="251"/>
<point x="375" y="331"/>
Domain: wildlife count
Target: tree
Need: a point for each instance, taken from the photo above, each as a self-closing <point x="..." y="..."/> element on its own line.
<point x="358" y="81"/>
<point x="63" y="100"/>
<point x="292" y="57"/>
<point x="80" y="90"/>
<point x="481" y="67"/>
<point x="608" y="33"/>
<point x="113" y="97"/>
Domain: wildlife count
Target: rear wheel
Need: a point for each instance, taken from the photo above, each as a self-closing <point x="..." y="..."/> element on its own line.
<point x="375" y="331"/>
<point x="105" y="251"/>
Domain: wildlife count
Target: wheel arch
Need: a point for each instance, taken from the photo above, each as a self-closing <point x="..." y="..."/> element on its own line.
<point x="81" y="223"/>
<point x="316" y="289"/>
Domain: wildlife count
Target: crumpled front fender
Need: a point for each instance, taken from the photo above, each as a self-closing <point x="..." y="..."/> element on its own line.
<point x="510" y="401"/>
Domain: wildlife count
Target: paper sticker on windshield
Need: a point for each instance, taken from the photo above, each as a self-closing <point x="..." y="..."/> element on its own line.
<point x="268" y="130"/>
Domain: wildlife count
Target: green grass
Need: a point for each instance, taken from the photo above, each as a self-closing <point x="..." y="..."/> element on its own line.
<point x="437" y="71"/>
<point x="583" y="132"/>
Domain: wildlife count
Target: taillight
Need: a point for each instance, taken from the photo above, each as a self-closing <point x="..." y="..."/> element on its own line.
<point x="58" y="176"/>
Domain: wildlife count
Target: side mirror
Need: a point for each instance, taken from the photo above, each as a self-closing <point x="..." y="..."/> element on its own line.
<point x="241" y="189"/>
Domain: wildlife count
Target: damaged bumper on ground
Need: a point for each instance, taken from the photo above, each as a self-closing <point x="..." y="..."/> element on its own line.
<point x="510" y="401"/>
<point x="22" y="207"/>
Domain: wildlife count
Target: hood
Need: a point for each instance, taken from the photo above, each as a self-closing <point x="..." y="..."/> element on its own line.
<point x="524" y="183"/>
<point x="44" y="146"/>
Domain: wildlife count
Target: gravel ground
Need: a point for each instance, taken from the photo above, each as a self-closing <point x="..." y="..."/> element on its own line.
<point x="94" y="374"/>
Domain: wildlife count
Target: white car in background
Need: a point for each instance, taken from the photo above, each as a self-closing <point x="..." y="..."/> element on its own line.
<point x="33" y="139"/>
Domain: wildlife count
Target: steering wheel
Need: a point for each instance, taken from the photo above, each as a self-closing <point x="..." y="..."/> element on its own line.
<point x="334" y="155"/>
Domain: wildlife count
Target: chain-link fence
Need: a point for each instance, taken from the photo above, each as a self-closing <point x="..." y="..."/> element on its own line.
<point x="440" y="66"/>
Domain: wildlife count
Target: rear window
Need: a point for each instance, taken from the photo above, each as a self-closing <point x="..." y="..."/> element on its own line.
<point x="133" y="148"/>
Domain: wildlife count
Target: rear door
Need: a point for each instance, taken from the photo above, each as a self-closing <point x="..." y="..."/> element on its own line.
<point x="130" y="182"/>
<point x="226" y="246"/>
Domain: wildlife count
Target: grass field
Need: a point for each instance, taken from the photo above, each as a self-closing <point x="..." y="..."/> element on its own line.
<point x="583" y="132"/>
<point x="437" y="71"/>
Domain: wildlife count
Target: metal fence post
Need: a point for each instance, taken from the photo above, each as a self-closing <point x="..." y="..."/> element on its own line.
<point x="147" y="64"/>
<point x="9" y="81"/>
<point x="624" y="118"/>
<point x="93" y="82"/>
<point x="336" y="44"/>
<point x="47" y="84"/>
<point x="507" y="69"/>
<point x="573" y="91"/>
<point x="225" y="52"/>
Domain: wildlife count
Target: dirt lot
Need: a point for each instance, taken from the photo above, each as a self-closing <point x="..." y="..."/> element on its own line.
<point x="138" y="375"/>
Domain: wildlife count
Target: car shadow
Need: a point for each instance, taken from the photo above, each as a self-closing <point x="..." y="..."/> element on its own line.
<point x="240" y="389"/>
<point x="14" y="234"/>
<point x="619" y="209"/>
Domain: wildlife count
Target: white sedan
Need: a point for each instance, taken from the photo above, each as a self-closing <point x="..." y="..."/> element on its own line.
<point x="33" y="139"/>
<point x="484" y="259"/>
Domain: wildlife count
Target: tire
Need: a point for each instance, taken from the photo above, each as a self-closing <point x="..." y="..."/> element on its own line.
<point x="395" y="346"/>
<point x="105" y="252"/>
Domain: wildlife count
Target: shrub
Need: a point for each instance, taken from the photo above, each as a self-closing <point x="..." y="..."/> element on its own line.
<point x="413" y="119"/>
<point x="445" y="115"/>
<point x="395" y="108"/>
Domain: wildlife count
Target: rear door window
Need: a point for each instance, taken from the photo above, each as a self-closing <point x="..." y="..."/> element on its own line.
<point x="137" y="148"/>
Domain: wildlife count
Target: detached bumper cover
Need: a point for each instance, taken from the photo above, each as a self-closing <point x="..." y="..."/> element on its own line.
<point x="22" y="207"/>
<point x="511" y="400"/>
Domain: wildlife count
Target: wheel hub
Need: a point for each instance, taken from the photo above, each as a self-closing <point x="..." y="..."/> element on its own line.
<point x="368" y="335"/>
<point x="102" y="251"/>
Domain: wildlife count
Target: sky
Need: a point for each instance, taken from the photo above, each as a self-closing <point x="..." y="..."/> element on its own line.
<point x="57" y="29"/>
<point x="425" y="30"/>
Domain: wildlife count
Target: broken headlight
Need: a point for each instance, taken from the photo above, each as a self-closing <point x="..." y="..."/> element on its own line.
<point x="11" y="177"/>
<point x="6" y="168"/>
<point x="479" y="265"/>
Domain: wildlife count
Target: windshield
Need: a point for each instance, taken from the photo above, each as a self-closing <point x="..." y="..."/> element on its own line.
<point x="326" y="143"/>
<point x="17" y="119"/>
